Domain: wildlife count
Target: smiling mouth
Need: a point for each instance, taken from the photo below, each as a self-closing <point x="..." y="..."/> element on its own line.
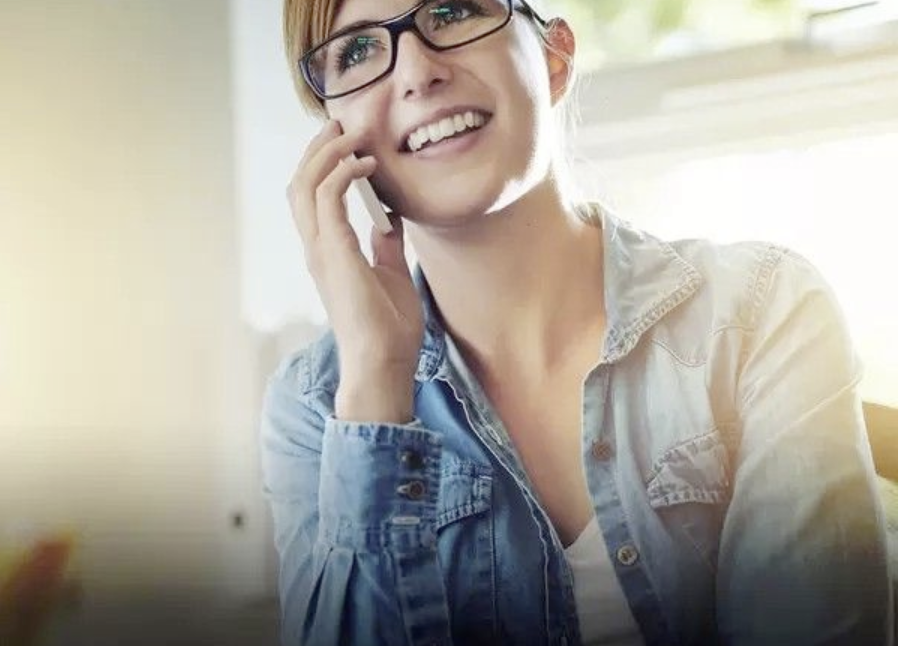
<point x="446" y="129"/>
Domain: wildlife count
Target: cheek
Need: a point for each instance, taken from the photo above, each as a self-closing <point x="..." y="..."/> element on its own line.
<point x="358" y="114"/>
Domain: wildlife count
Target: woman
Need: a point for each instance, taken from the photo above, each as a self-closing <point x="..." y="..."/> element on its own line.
<point x="557" y="429"/>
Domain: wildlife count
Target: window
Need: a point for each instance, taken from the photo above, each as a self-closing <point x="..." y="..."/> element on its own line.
<point x="625" y="32"/>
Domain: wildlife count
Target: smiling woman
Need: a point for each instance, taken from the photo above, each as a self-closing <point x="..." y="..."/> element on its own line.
<point x="556" y="429"/>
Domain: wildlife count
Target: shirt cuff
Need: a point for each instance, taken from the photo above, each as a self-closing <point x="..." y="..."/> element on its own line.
<point x="379" y="485"/>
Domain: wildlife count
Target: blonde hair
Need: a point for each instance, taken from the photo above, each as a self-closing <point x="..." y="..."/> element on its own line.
<point x="308" y="22"/>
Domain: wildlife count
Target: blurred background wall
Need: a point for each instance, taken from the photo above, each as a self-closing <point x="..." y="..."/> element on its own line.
<point x="150" y="277"/>
<point x="129" y="379"/>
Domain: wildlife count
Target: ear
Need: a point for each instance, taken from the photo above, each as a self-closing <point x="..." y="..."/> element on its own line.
<point x="560" y="49"/>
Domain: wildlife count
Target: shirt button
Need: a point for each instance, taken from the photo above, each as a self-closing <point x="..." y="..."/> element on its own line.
<point x="414" y="489"/>
<point x="601" y="450"/>
<point x="411" y="459"/>
<point x="627" y="555"/>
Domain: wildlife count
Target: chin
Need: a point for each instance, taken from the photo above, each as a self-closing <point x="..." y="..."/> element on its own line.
<point x="463" y="195"/>
<point x="450" y="203"/>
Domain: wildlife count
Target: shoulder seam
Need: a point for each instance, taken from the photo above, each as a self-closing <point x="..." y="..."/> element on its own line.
<point x="770" y="260"/>
<point x="760" y="289"/>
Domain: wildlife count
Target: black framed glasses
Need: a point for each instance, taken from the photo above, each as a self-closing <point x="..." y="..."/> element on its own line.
<point x="360" y="55"/>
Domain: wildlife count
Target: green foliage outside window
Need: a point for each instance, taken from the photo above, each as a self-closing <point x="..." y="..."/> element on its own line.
<point x="621" y="31"/>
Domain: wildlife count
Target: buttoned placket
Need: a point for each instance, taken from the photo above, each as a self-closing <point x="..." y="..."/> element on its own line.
<point x="495" y="439"/>
<point x="600" y="459"/>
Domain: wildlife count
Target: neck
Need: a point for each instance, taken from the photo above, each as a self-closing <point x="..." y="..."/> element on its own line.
<point x="520" y="289"/>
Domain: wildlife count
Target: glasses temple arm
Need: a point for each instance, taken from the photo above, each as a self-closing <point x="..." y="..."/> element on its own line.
<point x="530" y="11"/>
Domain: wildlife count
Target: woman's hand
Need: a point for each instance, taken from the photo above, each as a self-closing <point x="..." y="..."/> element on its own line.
<point x="374" y="309"/>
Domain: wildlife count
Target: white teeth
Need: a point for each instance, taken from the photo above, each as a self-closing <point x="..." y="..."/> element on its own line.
<point x="447" y="127"/>
<point x="436" y="132"/>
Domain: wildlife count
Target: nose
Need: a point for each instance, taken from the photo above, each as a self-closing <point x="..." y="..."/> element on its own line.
<point x="419" y="69"/>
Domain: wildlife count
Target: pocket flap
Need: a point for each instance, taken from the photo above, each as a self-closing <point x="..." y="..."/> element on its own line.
<point x="693" y="471"/>
<point x="465" y="490"/>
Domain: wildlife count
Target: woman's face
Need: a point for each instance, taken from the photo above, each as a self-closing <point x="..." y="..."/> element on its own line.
<point x="502" y="78"/>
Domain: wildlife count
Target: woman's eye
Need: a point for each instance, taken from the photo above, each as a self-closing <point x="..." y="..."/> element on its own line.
<point x="452" y="12"/>
<point x="356" y="51"/>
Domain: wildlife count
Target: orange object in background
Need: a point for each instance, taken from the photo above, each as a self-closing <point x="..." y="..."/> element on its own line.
<point x="33" y="589"/>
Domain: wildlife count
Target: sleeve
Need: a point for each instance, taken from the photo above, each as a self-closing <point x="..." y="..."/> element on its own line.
<point x="354" y="511"/>
<point x="802" y="556"/>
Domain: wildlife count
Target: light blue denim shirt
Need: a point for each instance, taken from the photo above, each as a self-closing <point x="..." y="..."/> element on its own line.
<point x="723" y="446"/>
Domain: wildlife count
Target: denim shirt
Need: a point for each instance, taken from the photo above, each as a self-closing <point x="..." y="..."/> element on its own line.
<point x="723" y="446"/>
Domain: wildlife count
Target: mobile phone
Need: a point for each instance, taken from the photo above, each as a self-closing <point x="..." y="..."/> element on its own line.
<point x="372" y="204"/>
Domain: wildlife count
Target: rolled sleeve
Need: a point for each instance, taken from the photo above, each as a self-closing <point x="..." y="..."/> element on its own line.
<point x="352" y="504"/>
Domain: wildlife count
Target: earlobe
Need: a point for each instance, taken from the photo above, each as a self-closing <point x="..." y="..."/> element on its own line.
<point x="556" y="64"/>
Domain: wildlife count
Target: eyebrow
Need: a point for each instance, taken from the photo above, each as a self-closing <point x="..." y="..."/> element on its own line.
<point x="359" y="23"/>
<point x="367" y="23"/>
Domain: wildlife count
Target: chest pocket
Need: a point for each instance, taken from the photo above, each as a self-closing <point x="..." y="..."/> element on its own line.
<point x="690" y="489"/>
<point x="466" y="548"/>
<point x="465" y="490"/>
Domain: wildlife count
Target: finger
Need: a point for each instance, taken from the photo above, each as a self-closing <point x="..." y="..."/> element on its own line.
<point x="331" y="153"/>
<point x="299" y="192"/>
<point x="388" y="250"/>
<point x="328" y="131"/>
<point x="333" y="223"/>
<point x="302" y="209"/>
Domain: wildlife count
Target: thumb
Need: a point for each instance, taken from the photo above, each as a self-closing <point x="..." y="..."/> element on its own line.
<point x="388" y="249"/>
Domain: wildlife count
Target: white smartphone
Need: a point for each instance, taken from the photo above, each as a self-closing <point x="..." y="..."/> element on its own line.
<point x="372" y="204"/>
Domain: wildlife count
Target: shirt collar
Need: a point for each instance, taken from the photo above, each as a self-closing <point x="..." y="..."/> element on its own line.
<point x="644" y="279"/>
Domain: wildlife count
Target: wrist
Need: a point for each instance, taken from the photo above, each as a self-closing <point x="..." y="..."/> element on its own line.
<point x="376" y="397"/>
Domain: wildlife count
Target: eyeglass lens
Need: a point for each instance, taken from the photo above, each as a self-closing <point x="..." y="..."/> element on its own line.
<point x="356" y="58"/>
